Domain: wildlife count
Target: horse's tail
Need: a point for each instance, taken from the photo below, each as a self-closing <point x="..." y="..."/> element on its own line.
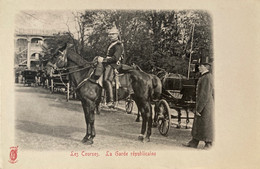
<point x="157" y="87"/>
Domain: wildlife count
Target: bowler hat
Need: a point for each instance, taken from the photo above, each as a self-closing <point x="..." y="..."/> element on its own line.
<point x="206" y="61"/>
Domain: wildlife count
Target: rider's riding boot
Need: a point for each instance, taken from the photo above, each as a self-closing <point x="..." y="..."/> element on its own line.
<point x="109" y="92"/>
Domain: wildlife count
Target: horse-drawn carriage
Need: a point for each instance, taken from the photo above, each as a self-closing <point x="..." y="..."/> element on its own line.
<point x="178" y="93"/>
<point x="29" y="77"/>
<point x="60" y="82"/>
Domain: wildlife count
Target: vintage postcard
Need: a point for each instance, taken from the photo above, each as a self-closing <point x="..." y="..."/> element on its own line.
<point x="129" y="84"/>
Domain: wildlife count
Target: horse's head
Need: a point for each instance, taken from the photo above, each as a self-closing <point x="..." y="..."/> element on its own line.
<point x="60" y="57"/>
<point x="58" y="60"/>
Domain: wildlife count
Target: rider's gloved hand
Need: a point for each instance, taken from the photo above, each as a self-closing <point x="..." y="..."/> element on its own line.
<point x="100" y="59"/>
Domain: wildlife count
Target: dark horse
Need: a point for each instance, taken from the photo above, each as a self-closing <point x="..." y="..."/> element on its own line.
<point x="146" y="88"/>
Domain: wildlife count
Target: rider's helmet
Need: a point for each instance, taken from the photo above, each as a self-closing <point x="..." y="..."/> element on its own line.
<point x="113" y="30"/>
<point x="113" y="34"/>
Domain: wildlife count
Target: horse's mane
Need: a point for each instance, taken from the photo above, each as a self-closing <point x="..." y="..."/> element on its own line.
<point x="75" y="57"/>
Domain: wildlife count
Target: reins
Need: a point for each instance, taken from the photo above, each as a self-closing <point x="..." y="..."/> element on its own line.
<point x="67" y="67"/>
<point x="87" y="65"/>
<point x="70" y="72"/>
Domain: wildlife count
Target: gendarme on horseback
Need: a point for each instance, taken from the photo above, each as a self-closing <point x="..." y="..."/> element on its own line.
<point x="112" y="61"/>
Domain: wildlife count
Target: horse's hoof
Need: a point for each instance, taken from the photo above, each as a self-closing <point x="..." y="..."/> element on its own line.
<point x="137" y="120"/>
<point x="89" y="142"/>
<point x="141" y="138"/>
<point x="178" y="126"/>
<point x="84" y="140"/>
<point x="146" y="140"/>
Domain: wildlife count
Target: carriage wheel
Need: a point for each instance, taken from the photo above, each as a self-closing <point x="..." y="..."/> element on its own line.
<point x="164" y="117"/>
<point x="129" y="104"/>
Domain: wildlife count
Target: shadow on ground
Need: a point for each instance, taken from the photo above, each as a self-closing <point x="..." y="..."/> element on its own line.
<point x="44" y="129"/>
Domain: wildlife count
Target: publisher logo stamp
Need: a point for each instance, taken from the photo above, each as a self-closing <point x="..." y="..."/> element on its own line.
<point x="13" y="154"/>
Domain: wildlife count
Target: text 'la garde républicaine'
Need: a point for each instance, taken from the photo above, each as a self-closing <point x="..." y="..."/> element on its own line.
<point x="113" y="153"/>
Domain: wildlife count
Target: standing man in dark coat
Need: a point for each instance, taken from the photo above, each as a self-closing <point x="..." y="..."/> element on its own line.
<point x="202" y="129"/>
<point x="112" y="61"/>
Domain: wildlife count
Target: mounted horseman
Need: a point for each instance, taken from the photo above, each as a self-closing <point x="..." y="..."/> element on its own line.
<point x="146" y="87"/>
<point x="112" y="62"/>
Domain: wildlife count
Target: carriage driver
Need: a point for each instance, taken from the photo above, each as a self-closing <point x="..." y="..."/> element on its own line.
<point x="114" y="55"/>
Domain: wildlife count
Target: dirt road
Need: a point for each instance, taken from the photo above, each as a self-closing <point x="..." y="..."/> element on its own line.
<point x="46" y="121"/>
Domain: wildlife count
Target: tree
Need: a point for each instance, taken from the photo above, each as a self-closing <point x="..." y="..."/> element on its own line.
<point x="202" y="40"/>
<point x="83" y="24"/>
<point x="151" y="38"/>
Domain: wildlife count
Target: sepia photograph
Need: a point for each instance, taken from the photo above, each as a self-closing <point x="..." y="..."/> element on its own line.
<point x="127" y="87"/>
<point x="106" y="67"/>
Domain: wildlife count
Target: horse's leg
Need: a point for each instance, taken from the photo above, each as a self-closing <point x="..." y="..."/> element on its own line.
<point x="92" y="125"/>
<point x="138" y="116"/>
<point x="156" y="110"/>
<point x="87" y="139"/>
<point x="98" y="108"/>
<point x="179" y="118"/>
<point x="187" y="117"/>
<point x="98" y="104"/>
<point x="91" y="119"/>
<point x="147" y="117"/>
<point x="150" y="122"/>
<point x="143" y="129"/>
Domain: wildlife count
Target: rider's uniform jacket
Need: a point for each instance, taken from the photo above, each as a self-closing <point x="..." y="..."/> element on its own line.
<point x="115" y="54"/>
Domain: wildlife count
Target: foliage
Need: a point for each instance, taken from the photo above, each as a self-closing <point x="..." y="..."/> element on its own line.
<point x="151" y="38"/>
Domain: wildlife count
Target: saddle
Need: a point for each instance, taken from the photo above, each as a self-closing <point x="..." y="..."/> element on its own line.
<point x="120" y="83"/>
<point x="122" y="69"/>
<point x="99" y="71"/>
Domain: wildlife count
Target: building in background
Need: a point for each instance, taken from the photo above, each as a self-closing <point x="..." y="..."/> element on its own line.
<point x="28" y="47"/>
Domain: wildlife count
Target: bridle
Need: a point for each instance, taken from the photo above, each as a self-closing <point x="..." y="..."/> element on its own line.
<point x="63" y="60"/>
